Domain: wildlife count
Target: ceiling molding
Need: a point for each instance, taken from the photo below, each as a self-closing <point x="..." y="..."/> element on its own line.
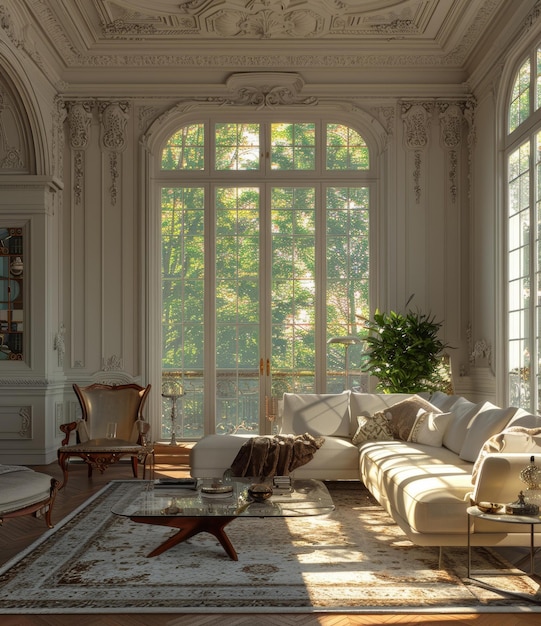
<point x="137" y="42"/>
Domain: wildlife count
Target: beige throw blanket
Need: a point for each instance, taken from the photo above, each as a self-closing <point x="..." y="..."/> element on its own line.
<point x="275" y="456"/>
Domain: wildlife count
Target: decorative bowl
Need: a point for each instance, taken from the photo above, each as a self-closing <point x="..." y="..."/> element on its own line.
<point x="259" y="492"/>
<point x="489" y="507"/>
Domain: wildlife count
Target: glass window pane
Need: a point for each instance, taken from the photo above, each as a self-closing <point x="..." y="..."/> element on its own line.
<point x="185" y="150"/>
<point x="236" y="146"/>
<point x="237" y="302"/>
<point x="183" y="299"/>
<point x="519" y="107"/>
<point x="538" y="80"/>
<point x="293" y="288"/>
<point x="293" y="146"/>
<point x="347" y="282"/>
<point x="346" y="149"/>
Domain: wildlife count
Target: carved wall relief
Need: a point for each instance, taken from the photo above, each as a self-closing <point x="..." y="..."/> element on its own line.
<point x="416" y="118"/>
<point x="14" y="154"/>
<point x="451" y="123"/>
<point x="79" y="121"/>
<point x="60" y="344"/>
<point x="114" y="119"/>
<point x="480" y="350"/>
<point x="267" y="89"/>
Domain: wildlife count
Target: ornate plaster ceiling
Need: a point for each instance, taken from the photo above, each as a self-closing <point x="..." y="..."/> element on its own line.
<point x="209" y="39"/>
<point x="378" y="21"/>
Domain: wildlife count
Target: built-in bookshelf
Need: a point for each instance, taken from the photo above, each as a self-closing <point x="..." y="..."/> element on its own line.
<point x="11" y="293"/>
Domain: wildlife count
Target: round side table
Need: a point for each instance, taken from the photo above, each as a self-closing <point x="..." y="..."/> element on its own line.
<point x="501" y="518"/>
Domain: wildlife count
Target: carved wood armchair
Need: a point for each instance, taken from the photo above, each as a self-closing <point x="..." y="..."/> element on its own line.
<point x="103" y="406"/>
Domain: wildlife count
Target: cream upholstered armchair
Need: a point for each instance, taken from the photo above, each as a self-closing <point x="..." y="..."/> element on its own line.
<point x="112" y="427"/>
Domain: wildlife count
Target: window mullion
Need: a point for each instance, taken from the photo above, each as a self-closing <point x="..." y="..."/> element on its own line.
<point x="535" y="269"/>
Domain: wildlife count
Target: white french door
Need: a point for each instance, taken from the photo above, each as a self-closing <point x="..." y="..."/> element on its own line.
<point x="260" y="266"/>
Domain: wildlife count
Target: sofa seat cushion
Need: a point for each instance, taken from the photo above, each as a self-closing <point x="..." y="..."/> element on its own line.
<point x="22" y="487"/>
<point x="426" y="486"/>
<point x="337" y="458"/>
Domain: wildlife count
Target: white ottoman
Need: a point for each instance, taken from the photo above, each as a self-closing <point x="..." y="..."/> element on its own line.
<point x="24" y="491"/>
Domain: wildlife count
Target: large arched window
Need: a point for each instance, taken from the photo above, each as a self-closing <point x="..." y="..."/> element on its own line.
<point x="265" y="257"/>
<point x="523" y="222"/>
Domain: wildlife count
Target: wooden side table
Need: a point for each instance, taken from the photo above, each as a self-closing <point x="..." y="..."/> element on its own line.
<point x="177" y="455"/>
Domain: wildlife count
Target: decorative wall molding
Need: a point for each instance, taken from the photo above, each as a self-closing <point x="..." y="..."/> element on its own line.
<point x="114" y="120"/>
<point x="112" y="363"/>
<point x="16" y="422"/>
<point x="451" y="129"/>
<point x="387" y="117"/>
<point x="112" y="373"/>
<point x="25" y="382"/>
<point x="59" y="344"/>
<point x="80" y="121"/>
<point x="417" y="160"/>
<point x="266" y="89"/>
<point x="533" y="17"/>
<point x="80" y="124"/>
<point x="57" y="149"/>
<point x="254" y="89"/>
<point x="25" y="414"/>
<point x="14" y="133"/>
<point x="481" y="349"/>
<point x="451" y="120"/>
<point x="416" y="119"/>
<point x="145" y="115"/>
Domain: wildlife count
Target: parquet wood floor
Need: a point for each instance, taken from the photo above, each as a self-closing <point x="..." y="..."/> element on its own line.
<point x="16" y="534"/>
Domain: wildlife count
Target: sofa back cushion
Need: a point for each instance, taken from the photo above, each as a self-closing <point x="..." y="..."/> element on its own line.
<point x="443" y="401"/>
<point x="455" y="434"/>
<point x="325" y="414"/>
<point x="524" y="419"/>
<point x="485" y="422"/>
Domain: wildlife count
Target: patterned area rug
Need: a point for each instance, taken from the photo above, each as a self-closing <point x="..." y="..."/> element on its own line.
<point x="356" y="559"/>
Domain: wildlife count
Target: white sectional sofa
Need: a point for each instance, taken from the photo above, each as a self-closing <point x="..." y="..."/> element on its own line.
<point x="415" y="455"/>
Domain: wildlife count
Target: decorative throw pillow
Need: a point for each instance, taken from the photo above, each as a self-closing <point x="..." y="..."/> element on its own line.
<point x="402" y="415"/>
<point x="374" y="428"/>
<point x="429" y="428"/>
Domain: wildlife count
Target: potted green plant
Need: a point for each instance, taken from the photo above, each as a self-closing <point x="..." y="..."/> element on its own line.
<point x="405" y="353"/>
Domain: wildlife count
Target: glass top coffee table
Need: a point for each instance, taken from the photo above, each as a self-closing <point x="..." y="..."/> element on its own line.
<point x="192" y="511"/>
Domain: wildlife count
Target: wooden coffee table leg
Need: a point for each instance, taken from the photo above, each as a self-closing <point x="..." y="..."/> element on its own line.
<point x="188" y="527"/>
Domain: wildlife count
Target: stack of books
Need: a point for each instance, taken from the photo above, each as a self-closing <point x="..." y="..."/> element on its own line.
<point x="172" y="483"/>
<point x="282" y="483"/>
